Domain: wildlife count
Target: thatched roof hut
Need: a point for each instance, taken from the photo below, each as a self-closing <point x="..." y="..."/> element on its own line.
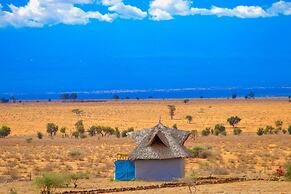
<point x="160" y="152"/>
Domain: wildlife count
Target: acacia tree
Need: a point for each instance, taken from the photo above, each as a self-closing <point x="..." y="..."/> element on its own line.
<point x="233" y="121"/>
<point x="80" y="127"/>
<point x="52" y="129"/>
<point x="189" y="118"/>
<point x="172" y="110"/>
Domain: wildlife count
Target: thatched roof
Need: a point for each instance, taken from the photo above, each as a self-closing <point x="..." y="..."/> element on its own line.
<point x="159" y="142"/>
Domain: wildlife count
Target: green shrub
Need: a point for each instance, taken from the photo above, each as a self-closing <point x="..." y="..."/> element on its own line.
<point x="205" y="132"/>
<point x="219" y="129"/>
<point x="92" y="131"/>
<point x="287" y="173"/>
<point x="108" y="131"/>
<point x="200" y="152"/>
<point x="223" y="133"/>
<point x="175" y="126"/>
<point x="63" y="130"/>
<point x="237" y="131"/>
<point x="124" y="133"/>
<point x="189" y="118"/>
<point x="39" y="135"/>
<point x="269" y="130"/>
<point x="74" y="177"/>
<point x="48" y="182"/>
<point x="279" y="124"/>
<point x="289" y="129"/>
<point x="4" y="131"/>
<point x="260" y="131"/>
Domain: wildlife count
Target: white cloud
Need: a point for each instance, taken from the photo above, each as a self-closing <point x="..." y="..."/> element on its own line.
<point x="239" y="11"/>
<point x="38" y="13"/>
<point x="166" y="9"/>
<point x="280" y="7"/>
<point x="124" y="11"/>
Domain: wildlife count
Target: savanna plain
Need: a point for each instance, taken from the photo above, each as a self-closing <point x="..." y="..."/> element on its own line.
<point x="23" y="156"/>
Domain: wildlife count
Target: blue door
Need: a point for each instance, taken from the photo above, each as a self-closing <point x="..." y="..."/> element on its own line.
<point x="124" y="170"/>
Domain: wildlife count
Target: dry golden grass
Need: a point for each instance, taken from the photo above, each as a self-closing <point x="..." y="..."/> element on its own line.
<point x="30" y="117"/>
<point x="245" y="155"/>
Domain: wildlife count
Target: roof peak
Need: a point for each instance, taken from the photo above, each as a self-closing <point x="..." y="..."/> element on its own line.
<point x="160" y="125"/>
<point x="173" y="140"/>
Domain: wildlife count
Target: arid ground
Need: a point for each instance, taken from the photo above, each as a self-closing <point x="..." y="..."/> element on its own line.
<point x="247" y="155"/>
<point x="29" y="117"/>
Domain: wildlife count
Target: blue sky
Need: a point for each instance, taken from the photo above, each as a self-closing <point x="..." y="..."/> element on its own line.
<point x="77" y="45"/>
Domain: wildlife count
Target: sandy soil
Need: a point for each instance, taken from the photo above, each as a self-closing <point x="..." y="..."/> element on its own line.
<point x="245" y="155"/>
<point x="28" y="118"/>
<point x="249" y="187"/>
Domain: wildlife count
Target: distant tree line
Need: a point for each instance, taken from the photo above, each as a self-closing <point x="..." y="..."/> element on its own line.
<point x="6" y="100"/>
<point x="269" y="129"/>
<point x="81" y="132"/>
<point x="69" y="96"/>
<point x="219" y="129"/>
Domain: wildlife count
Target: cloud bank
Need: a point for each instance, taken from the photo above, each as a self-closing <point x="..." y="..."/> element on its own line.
<point x="39" y="13"/>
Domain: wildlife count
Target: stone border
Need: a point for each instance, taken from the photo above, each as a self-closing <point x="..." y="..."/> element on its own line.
<point x="199" y="181"/>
